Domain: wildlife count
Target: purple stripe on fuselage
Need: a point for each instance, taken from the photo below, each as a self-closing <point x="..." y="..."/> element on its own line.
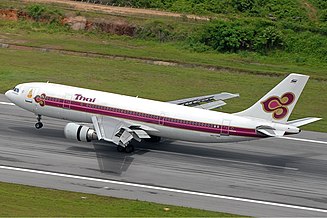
<point x="103" y="110"/>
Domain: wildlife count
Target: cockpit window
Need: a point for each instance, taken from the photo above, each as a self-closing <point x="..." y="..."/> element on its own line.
<point x="16" y="90"/>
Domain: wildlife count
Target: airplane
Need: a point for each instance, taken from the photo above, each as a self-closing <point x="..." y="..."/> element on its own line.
<point x="119" y="119"/>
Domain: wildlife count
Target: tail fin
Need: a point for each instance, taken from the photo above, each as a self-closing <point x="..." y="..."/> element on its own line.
<point x="277" y="105"/>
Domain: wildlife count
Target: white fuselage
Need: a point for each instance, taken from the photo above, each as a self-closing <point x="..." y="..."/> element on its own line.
<point x="166" y="119"/>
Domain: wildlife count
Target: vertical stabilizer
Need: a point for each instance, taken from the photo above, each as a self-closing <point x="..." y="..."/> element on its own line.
<point x="277" y="105"/>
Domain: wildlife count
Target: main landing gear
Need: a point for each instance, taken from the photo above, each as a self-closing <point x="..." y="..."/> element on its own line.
<point x="127" y="149"/>
<point x="39" y="124"/>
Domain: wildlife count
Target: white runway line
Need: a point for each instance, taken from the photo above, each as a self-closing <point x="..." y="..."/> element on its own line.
<point x="164" y="189"/>
<point x="304" y="140"/>
<point x="6" y="103"/>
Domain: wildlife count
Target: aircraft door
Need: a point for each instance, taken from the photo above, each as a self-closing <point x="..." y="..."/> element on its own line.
<point x="162" y="119"/>
<point x="67" y="101"/>
<point x="225" y="127"/>
<point x="65" y="113"/>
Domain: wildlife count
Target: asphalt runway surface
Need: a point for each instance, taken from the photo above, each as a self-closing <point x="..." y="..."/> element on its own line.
<point x="266" y="177"/>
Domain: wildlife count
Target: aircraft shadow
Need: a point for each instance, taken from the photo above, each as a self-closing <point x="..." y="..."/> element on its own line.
<point x="110" y="160"/>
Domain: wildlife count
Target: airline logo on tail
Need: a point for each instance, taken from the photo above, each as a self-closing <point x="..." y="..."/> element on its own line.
<point x="278" y="106"/>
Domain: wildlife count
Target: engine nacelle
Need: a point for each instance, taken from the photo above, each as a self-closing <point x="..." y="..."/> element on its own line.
<point x="79" y="132"/>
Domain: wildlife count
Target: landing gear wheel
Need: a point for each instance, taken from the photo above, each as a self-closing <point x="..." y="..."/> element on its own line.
<point x="38" y="125"/>
<point x="129" y="149"/>
<point x="120" y="148"/>
<point x="153" y="139"/>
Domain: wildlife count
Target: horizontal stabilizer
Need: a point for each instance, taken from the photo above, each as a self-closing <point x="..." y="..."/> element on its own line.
<point x="269" y="131"/>
<point x="303" y="121"/>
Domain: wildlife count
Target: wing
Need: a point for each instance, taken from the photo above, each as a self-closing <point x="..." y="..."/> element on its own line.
<point x="119" y="132"/>
<point x="207" y="102"/>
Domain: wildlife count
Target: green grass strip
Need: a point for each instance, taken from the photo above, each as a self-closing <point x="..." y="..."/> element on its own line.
<point x="21" y="200"/>
<point x="47" y="36"/>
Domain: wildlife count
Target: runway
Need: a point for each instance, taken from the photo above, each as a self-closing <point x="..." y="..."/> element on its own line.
<point x="266" y="177"/>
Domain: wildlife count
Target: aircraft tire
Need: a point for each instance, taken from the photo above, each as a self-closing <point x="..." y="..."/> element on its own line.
<point x="153" y="139"/>
<point x="38" y="125"/>
<point x="121" y="148"/>
<point x="129" y="149"/>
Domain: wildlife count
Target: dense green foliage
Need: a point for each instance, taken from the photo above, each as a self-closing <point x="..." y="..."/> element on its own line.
<point x="236" y="36"/>
<point x="295" y="27"/>
<point x="40" y="12"/>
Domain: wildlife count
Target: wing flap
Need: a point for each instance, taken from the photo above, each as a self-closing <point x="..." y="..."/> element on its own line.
<point x="117" y="131"/>
<point x="206" y="101"/>
<point x="211" y="105"/>
<point x="125" y="137"/>
<point x="141" y="134"/>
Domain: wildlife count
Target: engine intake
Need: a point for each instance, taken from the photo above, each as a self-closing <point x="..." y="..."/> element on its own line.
<point x="80" y="132"/>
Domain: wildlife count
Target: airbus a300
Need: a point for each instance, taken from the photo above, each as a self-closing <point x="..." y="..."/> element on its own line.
<point x="119" y="119"/>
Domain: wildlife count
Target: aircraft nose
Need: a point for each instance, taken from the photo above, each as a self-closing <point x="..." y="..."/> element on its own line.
<point x="7" y="94"/>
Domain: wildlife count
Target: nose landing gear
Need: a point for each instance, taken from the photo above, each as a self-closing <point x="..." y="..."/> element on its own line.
<point x="39" y="124"/>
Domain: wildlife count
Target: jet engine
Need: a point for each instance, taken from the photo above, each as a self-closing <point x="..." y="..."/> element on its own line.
<point x="80" y="132"/>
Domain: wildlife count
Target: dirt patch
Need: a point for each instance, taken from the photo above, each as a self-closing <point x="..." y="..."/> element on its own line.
<point x="119" y="10"/>
<point x="115" y="27"/>
<point x="13" y="14"/>
<point x="9" y="14"/>
<point x="77" y="22"/>
<point x="118" y="27"/>
<point x="312" y="11"/>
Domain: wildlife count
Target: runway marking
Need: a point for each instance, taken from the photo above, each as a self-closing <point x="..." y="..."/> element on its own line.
<point x="304" y="140"/>
<point x="7" y="103"/>
<point x="202" y="194"/>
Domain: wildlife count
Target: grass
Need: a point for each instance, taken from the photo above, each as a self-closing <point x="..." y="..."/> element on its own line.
<point x="33" y="34"/>
<point x="36" y="34"/>
<point x="152" y="81"/>
<point x="27" y="201"/>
